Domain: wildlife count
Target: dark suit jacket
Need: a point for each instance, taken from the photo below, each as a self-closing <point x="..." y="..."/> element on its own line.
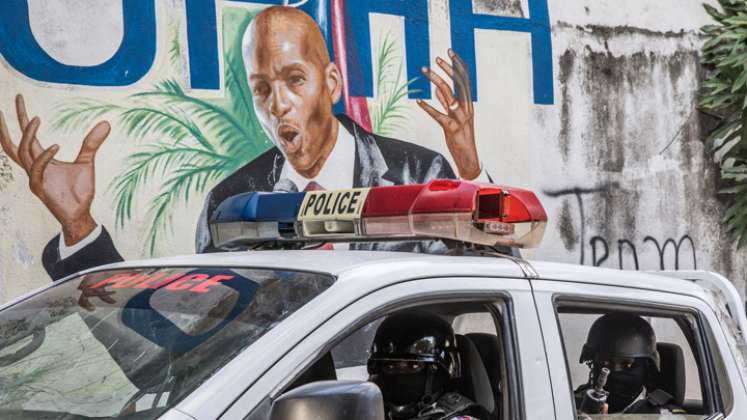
<point x="379" y="161"/>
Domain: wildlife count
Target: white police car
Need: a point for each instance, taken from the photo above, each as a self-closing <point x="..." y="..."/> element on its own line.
<point x="285" y="334"/>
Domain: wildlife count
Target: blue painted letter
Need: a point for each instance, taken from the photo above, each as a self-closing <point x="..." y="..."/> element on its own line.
<point x="415" y="13"/>
<point x="131" y="62"/>
<point x="202" y="40"/>
<point x="463" y="25"/>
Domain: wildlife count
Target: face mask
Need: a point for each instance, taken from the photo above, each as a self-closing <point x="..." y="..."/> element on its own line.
<point x="402" y="389"/>
<point x="624" y="386"/>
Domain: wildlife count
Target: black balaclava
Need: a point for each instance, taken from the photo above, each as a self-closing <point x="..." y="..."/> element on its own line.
<point x="407" y="394"/>
<point x="625" y="386"/>
<point x="402" y="389"/>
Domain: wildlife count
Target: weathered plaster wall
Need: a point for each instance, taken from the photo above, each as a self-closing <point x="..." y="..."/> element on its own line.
<point x="616" y="156"/>
<point x="628" y="157"/>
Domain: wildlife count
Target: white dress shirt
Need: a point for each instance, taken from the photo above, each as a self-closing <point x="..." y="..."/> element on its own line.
<point x="337" y="171"/>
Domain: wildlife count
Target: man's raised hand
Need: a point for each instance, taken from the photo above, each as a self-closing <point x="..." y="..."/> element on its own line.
<point x="66" y="188"/>
<point x="458" y="118"/>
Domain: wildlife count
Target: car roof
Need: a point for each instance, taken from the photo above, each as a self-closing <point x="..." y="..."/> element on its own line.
<point x="334" y="262"/>
<point x="615" y="277"/>
<point x="346" y="264"/>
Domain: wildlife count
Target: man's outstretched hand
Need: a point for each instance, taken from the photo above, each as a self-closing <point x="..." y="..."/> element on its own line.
<point x="458" y="121"/>
<point x="66" y="188"/>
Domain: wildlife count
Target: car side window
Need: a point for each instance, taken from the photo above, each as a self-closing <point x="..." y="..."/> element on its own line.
<point x="633" y="361"/>
<point x="480" y="371"/>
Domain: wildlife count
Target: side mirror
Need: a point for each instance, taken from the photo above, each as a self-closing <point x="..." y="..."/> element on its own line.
<point x="330" y="400"/>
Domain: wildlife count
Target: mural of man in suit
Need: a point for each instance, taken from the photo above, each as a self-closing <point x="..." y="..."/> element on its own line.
<point x="294" y="87"/>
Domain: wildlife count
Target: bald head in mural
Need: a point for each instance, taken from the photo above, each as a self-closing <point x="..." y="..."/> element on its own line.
<point x="294" y="87"/>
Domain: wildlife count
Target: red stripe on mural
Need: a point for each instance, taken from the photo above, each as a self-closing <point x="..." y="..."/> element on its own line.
<point x="355" y="106"/>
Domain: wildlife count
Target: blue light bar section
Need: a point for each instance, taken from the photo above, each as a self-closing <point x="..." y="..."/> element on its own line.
<point x="259" y="207"/>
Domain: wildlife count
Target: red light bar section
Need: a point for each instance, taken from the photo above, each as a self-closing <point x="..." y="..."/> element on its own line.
<point x="438" y="196"/>
<point x="391" y="201"/>
<point x="486" y="202"/>
<point x="447" y="196"/>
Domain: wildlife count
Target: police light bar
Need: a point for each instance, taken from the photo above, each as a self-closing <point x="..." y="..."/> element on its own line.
<point x="463" y="211"/>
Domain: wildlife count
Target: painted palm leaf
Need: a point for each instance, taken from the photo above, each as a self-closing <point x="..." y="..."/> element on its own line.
<point x="388" y="113"/>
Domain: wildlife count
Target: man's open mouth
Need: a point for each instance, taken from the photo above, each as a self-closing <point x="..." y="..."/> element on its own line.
<point x="291" y="138"/>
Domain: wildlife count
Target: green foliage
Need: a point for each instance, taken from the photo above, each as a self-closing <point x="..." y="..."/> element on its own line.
<point x="175" y="47"/>
<point x="189" y="143"/>
<point x="725" y="97"/>
<point x="81" y="113"/>
<point x="387" y="110"/>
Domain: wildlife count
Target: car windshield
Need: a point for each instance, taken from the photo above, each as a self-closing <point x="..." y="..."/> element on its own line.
<point x="131" y="343"/>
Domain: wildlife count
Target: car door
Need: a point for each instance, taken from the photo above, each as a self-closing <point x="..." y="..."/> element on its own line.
<point x="530" y="390"/>
<point x="714" y="371"/>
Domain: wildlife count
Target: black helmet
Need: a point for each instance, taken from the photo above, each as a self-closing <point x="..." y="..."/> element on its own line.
<point x="413" y="359"/>
<point x="620" y="335"/>
<point x="415" y="337"/>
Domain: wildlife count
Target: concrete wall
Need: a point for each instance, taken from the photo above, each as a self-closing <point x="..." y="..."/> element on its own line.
<point x="628" y="156"/>
<point x="596" y="114"/>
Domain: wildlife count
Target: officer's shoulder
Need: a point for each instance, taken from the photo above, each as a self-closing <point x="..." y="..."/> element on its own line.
<point x="454" y="401"/>
<point x="655" y="402"/>
<point x="661" y="399"/>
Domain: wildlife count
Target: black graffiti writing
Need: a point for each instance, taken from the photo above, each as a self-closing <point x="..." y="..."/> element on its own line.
<point x="600" y="246"/>
<point x="676" y="245"/>
<point x="579" y="193"/>
<point x="620" y="244"/>
<point x="598" y="243"/>
<point x="595" y="260"/>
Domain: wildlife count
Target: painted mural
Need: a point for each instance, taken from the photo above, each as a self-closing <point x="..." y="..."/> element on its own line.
<point x="275" y="129"/>
<point x="120" y="139"/>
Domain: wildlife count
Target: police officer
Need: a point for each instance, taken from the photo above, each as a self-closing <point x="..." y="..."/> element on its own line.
<point x="414" y="360"/>
<point x="626" y="345"/>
